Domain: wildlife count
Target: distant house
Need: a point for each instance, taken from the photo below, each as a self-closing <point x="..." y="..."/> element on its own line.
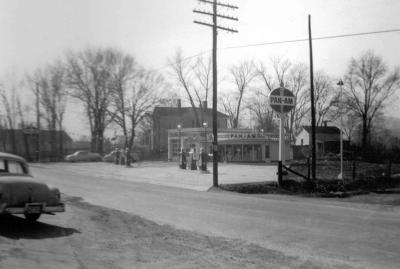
<point x="327" y="139"/>
<point x="165" y="118"/>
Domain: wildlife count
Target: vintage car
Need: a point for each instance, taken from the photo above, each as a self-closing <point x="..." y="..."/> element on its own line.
<point x="84" y="156"/>
<point x="20" y="193"/>
<point x="110" y="157"/>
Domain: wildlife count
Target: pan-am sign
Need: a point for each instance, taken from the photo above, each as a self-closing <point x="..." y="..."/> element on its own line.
<point x="282" y="100"/>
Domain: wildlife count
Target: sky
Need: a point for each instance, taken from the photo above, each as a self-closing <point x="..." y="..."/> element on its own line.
<point x="34" y="33"/>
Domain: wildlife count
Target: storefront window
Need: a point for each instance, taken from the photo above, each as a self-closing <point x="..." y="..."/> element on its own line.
<point x="237" y="153"/>
<point x="175" y="147"/>
<point x="266" y="151"/>
<point x="247" y="152"/>
<point x="229" y="153"/>
<point x="257" y="153"/>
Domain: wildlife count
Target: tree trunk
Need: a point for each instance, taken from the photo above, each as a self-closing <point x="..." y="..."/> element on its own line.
<point x="130" y="147"/>
<point x="13" y="141"/>
<point x="365" y="131"/>
<point x="26" y="146"/>
<point x="93" y="141"/>
<point x="61" y="144"/>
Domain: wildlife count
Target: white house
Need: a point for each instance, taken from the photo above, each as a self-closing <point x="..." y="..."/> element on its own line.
<point x="327" y="138"/>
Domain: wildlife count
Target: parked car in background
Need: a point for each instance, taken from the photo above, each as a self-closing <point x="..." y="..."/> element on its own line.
<point x="84" y="156"/>
<point x="20" y="193"/>
<point x="110" y="157"/>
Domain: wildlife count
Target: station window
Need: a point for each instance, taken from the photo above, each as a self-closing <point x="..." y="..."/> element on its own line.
<point x="267" y="152"/>
<point x="175" y="147"/>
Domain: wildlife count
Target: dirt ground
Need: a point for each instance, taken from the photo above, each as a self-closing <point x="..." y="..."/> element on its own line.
<point x="385" y="199"/>
<point x="88" y="236"/>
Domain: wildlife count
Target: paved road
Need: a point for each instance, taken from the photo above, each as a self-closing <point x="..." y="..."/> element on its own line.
<point x="336" y="234"/>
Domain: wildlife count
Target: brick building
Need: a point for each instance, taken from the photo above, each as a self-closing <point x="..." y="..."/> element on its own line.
<point x="23" y="142"/>
<point x="165" y="118"/>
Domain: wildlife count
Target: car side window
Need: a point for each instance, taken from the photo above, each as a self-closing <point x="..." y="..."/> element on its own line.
<point x="15" y="167"/>
<point x="2" y="166"/>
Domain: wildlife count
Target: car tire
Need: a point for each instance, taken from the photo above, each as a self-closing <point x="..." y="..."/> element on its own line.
<point x="32" y="217"/>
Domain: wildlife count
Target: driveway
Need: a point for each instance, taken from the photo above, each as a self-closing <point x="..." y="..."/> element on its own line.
<point x="169" y="174"/>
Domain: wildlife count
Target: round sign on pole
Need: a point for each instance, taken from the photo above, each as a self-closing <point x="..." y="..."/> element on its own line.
<point x="282" y="100"/>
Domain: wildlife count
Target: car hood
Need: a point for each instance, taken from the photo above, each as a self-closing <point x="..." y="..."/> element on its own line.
<point x="18" y="190"/>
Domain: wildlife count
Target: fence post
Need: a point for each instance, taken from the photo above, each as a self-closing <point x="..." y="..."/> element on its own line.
<point x="280" y="173"/>
<point x="308" y="169"/>
<point x="354" y="170"/>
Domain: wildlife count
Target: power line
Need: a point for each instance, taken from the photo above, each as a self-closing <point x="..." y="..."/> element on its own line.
<point x="315" y="38"/>
<point x="288" y="41"/>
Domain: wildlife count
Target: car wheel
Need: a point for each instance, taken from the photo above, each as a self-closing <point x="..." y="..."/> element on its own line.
<point x="32" y="217"/>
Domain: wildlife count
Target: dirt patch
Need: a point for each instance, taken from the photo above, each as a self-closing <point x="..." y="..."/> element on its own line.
<point x="89" y="236"/>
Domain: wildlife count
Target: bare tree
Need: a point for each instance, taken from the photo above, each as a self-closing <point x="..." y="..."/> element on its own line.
<point x="89" y="76"/>
<point x="136" y="95"/>
<point x="349" y="125"/>
<point x="258" y="103"/>
<point x="277" y="74"/>
<point x="194" y="76"/>
<point x="297" y="83"/>
<point x="294" y="77"/>
<point x="368" y="87"/>
<point x="323" y="97"/>
<point x="21" y="113"/>
<point x="243" y="74"/>
<point x="52" y="96"/>
<point x="12" y="108"/>
<point x="264" y="116"/>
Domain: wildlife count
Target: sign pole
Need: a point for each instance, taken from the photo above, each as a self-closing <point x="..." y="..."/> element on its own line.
<point x="282" y="138"/>
<point x="281" y="101"/>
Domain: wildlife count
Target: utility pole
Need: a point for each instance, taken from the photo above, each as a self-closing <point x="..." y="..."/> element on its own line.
<point x="313" y="146"/>
<point x="37" y="124"/>
<point x="214" y="25"/>
<point x="340" y="84"/>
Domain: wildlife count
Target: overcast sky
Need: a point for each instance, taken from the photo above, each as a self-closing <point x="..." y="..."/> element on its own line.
<point x="35" y="32"/>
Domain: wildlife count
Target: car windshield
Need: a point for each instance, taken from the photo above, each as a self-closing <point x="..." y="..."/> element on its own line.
<point x="12" y="167"/>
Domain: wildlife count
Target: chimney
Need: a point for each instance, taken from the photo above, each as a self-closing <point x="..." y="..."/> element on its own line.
<point x="178" y="102"/>
<point x="205" y="105"/>
<point x="325" y="123"/>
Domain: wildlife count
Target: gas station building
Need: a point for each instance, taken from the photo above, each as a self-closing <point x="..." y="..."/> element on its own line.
<point x="234" y="145"/>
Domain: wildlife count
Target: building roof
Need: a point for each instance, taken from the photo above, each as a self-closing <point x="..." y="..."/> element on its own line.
<point x="176" y="111"/>
<point x="323" y="129"/>
<point x="45" y="134"/>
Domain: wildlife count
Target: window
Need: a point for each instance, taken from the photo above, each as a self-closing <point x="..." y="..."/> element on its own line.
<point x="247" y="152"/>
<point x="15" y="167"/>
<point x="175" y="147"/>
<point x="237" y="152"/>
<point x="258" y="154"/>
<point x="266" y="151"/>
<point x="2" y="166"/>
<point x="229" y="152"/>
